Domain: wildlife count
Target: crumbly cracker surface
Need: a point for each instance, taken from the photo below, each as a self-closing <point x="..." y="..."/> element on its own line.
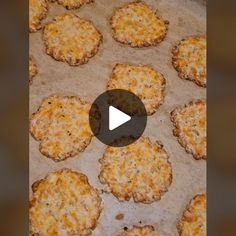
<point x="72" y="4"/>
<point x="190" y="127"/>
<point x="137" y="25"/>
<point x="193" y="221"/>
<point x="141" y="171"/>
<point x="61" y="124"/>
<point x="33" y="70"/>
<point x="71" y="39"/>
<point x="143" y="81"/>
<point x="189" y="59"/>
<point x="37" y="12"/>
<point x="64" y="203"/>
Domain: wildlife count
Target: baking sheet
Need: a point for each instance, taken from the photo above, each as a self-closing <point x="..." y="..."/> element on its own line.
<point x="186" y="17"/>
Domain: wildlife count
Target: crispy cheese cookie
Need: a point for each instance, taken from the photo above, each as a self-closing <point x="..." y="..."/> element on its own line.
<point x="37" y="12"/>
<point x="137" y="24"/>
<point x="141" y="171"/>
<point x="71" y="39"/>
<point x="33" y="70"/>
<point x="62" y="126"/>
<point x="190" y="127"/>
<point x="147" y="230"/>
<point x="72" y="4"/>
<point x="193" y="221"/>
<point x="64" y="203"/>
<point x="189" y="59"/>
<point x="143" y="81"/>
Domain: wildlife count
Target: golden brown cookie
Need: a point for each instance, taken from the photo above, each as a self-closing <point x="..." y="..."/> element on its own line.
<point x="71" y="39"/>
<point x="143" y="81"/>
<point x="61" y="124"/>
<point x="72" y="4"/>
<point x="193" y="221"/>
<point x="33" y="70"/>
<point x="141" y="171"/>
<point x="37" y="12"/>
<point x="64" y="203"/>
<point x="138" y="25"/>
<point x="190" y="127"/>
<point x="147" y="230"/>
<point x="189" y="59"/>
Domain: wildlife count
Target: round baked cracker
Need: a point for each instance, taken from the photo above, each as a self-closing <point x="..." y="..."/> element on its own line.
<point x="143" y="81"/>
<point x="190" y="127"/>
<point x="147" y="230"/>
<point x="37" y="12"/>
<point x="61" y="124"/>
<point x="33" y="70"/>
<point x="189" y="59"/>
<point x="138" y="25"/>
<point x="193" y="221"/>
<point x="72" y="4"/>
<point x="71" y="39"/>
<point x="141" y="171"/>
<point x="64" y="203"/>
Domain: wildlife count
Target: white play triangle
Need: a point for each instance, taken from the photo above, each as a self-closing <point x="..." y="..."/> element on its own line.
<point x="117" y="118"/>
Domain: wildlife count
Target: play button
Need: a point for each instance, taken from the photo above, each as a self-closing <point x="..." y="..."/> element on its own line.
<point x="117" y="117"/>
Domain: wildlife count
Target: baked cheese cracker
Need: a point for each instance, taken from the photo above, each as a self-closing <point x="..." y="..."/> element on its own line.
<point x="71" y="39"/>
<point x="64" y="203"/>
<point x="147" y="230"/>
<point x="190" y="127"/>
<point x="37" y="12"/>
<point x="72" y="4"/>
<point x="189" y="59"/>
<point x="141" y="171"/>
<point x="61" y="124"/>
<point x="143" y="81"/>
<point x="193" y="221"/>
<point x="138" y="25"/>
<point x="33" y="70"/>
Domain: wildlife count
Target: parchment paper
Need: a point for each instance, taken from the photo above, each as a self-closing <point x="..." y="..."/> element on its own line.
<point x="186" y="17"/>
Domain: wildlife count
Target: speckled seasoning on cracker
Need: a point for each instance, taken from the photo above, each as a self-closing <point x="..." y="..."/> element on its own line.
<point x="189" y="59"/>
<point x="64" y="203"/>
<point x="137" y="25"/>
<point x="141" y="171"/>
<point x="193" y="221"/>
<point x="37" y="12"/>
<point x="72" y="4"/>
<point x="190" y="127"/>
<point x="61" y="125"/>
<point x="71" y="39"/>
<point x="142" y="80"/>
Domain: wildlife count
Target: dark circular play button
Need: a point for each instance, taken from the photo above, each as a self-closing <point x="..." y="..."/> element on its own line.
<point x="117" y="117"/>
